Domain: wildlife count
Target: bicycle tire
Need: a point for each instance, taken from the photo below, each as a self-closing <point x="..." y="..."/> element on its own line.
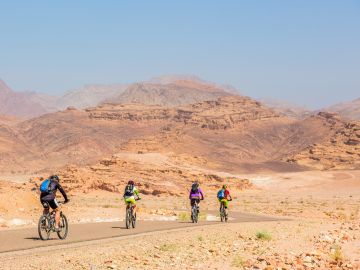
<point x="194" y="214"/>
<point x="222" y="213"/>
<point x="64" y="227"/>
<point x="47" y="228"/>
<point x="133" y="221"/>
<point x="128" y="218"/>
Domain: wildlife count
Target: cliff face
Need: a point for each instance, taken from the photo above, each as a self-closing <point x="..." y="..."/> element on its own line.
<point x="340" y="149"/>
<point x="226" y="112"/>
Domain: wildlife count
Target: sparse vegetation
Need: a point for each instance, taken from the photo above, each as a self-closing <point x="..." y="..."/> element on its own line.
<point x="238" y="262"/>
<point x="168" y="247"/>
<point x="200" y="238"/>
<point x="337" y="254"/>
<point x="184" y="216"/>
<point x="109" y="206"/>
<point x="263" y="235"/>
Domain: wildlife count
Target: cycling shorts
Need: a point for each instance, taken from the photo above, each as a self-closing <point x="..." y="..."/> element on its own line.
<point x="130" y="200"/>
<point x="52" y="203"/>
<point x="225" y="201"/>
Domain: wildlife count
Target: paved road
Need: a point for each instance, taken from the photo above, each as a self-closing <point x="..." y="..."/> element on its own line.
<point x="23" y="239"/>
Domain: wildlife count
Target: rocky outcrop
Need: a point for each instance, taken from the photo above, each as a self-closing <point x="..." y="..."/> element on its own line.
<point x="222" y="113"/>
<point x="341" y="149"/>
<point x="152" y="177"/>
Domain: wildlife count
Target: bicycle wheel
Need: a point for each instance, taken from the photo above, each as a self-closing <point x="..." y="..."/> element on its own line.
<point x="128" y="218"/>
<point x="222" y="213"/>
<point x="194" y="214"/>
<point x="64" y="226"/>
<point x="133" y="220"/>
<point x="44" y="227"/>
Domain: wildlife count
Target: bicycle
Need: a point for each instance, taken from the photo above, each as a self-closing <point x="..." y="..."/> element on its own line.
<point x="224" y="215"/>
<point x="47" y="222"/>
<point x="130" y="218"/>
<point x="195" y="212"/>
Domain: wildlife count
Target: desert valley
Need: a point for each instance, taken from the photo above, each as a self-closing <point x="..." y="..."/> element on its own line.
<point x="299" y="167"/>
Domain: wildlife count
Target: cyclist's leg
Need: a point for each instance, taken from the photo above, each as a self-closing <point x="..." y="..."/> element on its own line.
<point x="226" y="205"/>
<point x="56" y="207"/>
<point x="197" y="205"/>
<point x="130" y="202"/>
<point x="220" y="204"/>
<point x="45" y="206"/>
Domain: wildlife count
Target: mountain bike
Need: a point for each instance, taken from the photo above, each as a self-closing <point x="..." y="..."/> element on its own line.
<point x="224" y="214"/>
<point x="195" y="212"/>
<point x="130" y="218"/>
<point x="47" y="225"/>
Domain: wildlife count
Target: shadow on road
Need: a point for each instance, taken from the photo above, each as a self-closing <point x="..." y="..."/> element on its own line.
<point x="33" y="238"/>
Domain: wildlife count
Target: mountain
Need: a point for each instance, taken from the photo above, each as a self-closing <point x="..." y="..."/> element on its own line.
<point x="349" y="110"/>
<point x="24" y="104"/>
<point x="9" y="120"/>
<point x="232" y="133"/>
<point x="165" y="90"/>
<point x="286" y="108"/>
<point x="90" y="95"/>
<point x="340" y="149"/>
<point x="175" y="93"/>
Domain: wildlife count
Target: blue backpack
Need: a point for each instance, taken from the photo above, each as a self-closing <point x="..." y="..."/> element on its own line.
<point x="221" y="194"/>
<point x="45" y="186"/>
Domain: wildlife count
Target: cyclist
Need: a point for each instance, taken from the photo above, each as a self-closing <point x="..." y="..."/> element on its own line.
<point x="224" y="196"/>
<point x="48" y="198"/>
<point x="129" y="195"/>
<point x="196" y="194"/>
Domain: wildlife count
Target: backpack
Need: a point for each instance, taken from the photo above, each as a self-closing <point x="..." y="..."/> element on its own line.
<point x="221" y="194"/>
<point x="129" y="191"/>
<point x="194" y="187"/>
<point x="45" y="186"/>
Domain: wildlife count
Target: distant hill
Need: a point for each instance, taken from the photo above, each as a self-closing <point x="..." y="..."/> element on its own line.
<point x="348" y="110"/>
<point x="24" y="104"/>
<point x="165" y="90"/>
<point x="287" y="108"/>
<point x="175" y="93"/>
<point x="90" y="95"/>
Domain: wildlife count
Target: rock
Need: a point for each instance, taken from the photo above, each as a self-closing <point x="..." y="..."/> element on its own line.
<point x="308" y="259"/>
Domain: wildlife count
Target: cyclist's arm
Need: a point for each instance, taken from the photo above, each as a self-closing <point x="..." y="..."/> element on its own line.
<point x="202" y="195"/>
<point x="137" y="193"/>
<point x="59" y="187"/>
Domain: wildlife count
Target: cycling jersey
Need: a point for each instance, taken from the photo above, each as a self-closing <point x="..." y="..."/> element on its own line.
<point x="51" y="194"/>
<point x="131" y="198"/>
<point x="198" y="194"/>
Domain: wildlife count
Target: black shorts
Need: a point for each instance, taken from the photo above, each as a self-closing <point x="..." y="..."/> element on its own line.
<point x="52" y="203"/>
<point x="192" y="201"/>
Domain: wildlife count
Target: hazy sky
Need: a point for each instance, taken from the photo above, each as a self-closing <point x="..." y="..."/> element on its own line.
<point x="306" y="52"/>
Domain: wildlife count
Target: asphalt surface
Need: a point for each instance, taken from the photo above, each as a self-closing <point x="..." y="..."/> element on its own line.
<point x="25" y="239"/>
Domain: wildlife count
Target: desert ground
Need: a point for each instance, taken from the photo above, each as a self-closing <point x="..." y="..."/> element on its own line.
<point x="318" y="227"/>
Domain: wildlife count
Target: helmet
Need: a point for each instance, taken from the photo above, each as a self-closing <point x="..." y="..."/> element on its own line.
<point x="54" y="177"/>
<point x="224" y="186"/>
<point x="131" y="182"/>
<point x="196" y="184"/>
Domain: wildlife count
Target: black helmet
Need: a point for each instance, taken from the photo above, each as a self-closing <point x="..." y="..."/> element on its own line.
<point x="54" y="177"/>
<point x="131" y="182"/>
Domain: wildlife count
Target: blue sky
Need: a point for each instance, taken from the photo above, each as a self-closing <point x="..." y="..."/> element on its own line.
<point x="307" y="52"/>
